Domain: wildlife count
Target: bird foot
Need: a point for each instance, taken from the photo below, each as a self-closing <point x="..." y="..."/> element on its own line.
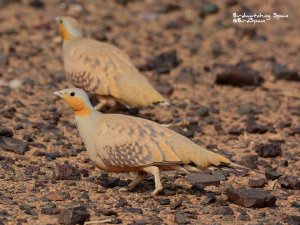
<point x="124" y="189"/>
<point x="157" y="190"/>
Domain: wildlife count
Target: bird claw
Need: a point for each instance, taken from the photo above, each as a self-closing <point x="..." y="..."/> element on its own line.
<point x="123" y="189"/>
<point x="157" y="191"/>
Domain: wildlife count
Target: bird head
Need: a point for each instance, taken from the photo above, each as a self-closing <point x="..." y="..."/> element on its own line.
<point x="68" y="27"/>
<point x="77" y="99"/>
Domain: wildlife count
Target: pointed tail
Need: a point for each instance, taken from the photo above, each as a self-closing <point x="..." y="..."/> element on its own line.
<point x="205" y="158"/>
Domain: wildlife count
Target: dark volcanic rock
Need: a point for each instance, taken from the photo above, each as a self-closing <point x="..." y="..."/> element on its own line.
<point x="202" y="111"/>
<point x="235" y="131"/>
<point x="77" y="215"/>
<point x="178" y="23"/>
<point x="13" y="145"/>
<point x="177" y="204"/>
<point x="122" y="202"/>
<point x="164" y="62"/>
<point x="294" y="131"/>
<point x="289" y="182"/>
<point x="133" y="210"/>
<point x="208" y="8"/>
<point x="223" y="210"/>
<point x="296" y="205"/>
<point x="249" y="161"/>
<point x="211" y="198"/>
<point x="164" y="87"/>
<point x="283" y="73"/>
<point x="272" y="174"/>
<point x="256" y="129"/>
<point x="9" y="112"/>
<point x="293" y="220"/>
<point x="110" y="183"/>
<point x="259" y="183"/>
<point x="6" y="132"/>
<point x="243" y="215"/>
<point x="106" y="212"/>
<point x="170" y="7"/>
<point x="180" y="218"/>
<point x="255" y="198"/>
<point x="66" y="172"/>
<point x="269" y="150"/>
<point x="204" y="179"/>
<point x="50" y="211"/>
<point x="37" y="4"/>
<point x="164" y="201"/>
<point x="186" y="76"/>
<point x="239" y="76"/>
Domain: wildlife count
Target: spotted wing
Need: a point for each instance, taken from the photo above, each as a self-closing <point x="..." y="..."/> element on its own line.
<point x="132" y="142"/>
<point x="103" y="69"/>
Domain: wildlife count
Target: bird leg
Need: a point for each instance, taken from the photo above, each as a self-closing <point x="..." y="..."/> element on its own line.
<point x="104" y="101"/>
<point x="155" y="172"/>
<point x="116" y="107"/>
<point x="138" y="179"/>
<point x="100" y="105"/>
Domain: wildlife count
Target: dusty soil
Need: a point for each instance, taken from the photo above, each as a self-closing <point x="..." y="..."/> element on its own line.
<point x="233" y="120"/>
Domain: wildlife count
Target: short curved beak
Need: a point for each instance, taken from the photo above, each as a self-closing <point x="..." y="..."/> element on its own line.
<point x="58" y="19"/>
<point x="57" y="93"/>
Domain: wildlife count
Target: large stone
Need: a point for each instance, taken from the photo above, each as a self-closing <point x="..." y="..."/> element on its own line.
<point x="239" y="76"/>
<point x="251" y="198"/>
<point x="204" y="179"/>
<point x="66" y="172"/>
<point x="269" y="150"/>
<point x="259" y="183"/>
<point x="13" y="145"/>
<point x="74" y="216"/>
<point x="289" y="182"/>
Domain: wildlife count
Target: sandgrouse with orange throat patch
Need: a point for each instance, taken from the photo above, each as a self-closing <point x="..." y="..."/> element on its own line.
<point x="103" y="69"/>
<point x="119" y="143"/>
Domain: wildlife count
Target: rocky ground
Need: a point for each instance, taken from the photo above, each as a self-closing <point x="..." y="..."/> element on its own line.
<point x="234" y="88"/>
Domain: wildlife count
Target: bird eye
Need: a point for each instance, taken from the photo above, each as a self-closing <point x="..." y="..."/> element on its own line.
<point x="60" y="21"/>
<point x="72" y="94"/>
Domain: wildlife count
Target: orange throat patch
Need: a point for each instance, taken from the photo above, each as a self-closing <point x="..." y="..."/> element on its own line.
<point x="78" y="105"/>
<point x="64" y="32"/>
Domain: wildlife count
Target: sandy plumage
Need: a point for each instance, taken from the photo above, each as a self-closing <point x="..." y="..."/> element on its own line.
<point x="120" y="143"/>
<point x="103" y="69"/>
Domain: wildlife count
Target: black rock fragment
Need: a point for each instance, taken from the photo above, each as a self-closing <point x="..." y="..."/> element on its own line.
<point x="272" y="174"/>
<point x="13" y="145"/>
<point x="204" y="179"/>
<point x="251" y="198"/>
<point x="73" y="216"/>
<point x="259" y="183"/>
<point x="6" y="132"/>
<point x="223" y="210"/>
<point x="289" y="182"/>
<point x="180" y="218"/>
<point x="256" y="128"/>
<point x="269" y="150"/>
<point x="37" y="4"/>
<point x="164" y="87"/>
<point x="66" y="172"/>
<point x="208" y="8"/>
<point x="281" y="72"/>
<point x="239" y="76"/>
<point x="164" y="62"/>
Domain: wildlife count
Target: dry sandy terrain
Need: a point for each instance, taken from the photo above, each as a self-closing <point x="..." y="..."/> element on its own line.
<point x="233" y="87"/>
